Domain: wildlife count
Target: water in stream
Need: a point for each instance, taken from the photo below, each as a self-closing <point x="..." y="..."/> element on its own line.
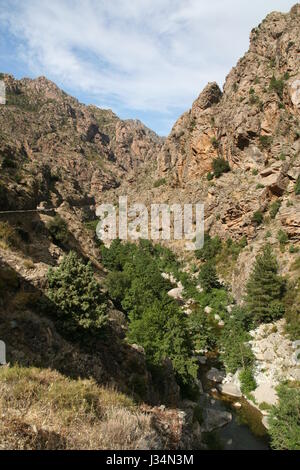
<point x="245" y="431"/>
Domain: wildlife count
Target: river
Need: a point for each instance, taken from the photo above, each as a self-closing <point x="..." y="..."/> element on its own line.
<point x="245" y="431"/>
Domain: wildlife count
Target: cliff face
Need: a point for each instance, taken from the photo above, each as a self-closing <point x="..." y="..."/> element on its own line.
<point x="254" y="124"/>
<point x="232" y="123"/>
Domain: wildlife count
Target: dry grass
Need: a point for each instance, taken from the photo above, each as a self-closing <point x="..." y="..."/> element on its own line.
<point x="28" y="264"/>
<point x="42" y="409"/>
<point x="8" y="236"/>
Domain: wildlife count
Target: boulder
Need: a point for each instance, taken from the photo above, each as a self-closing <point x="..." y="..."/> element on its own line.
<point x="215" y="375"/>
<point x="265" y="422"/>
<point x="230" y="389"/>
<point x="214" y="419"/>
<point x="265" y="393"/>
<point x="202" y="360"/>
<point x="208" y="309"/>
<point x="176" y="293"/>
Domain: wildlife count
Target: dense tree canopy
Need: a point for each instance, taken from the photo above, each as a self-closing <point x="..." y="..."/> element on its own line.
<point x="76" y="294"/>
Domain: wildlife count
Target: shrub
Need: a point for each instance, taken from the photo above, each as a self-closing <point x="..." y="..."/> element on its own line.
<point x="214" y="143"/>
<point x="159" y="182"/>
<point x="265" y="141"/>
<point x="210" y="176"/>
<point x="282" y="237"/>
<point x="284" y="420"/>
<point x="220" y="166"/>
<point x="277" y="85"/>
<point x="248" y="383"/>
<point x="265" y="288"/>
<point x="58" y="230"/>
<point x="297" y="186"/>
<point x="76" y="294"/>
<point x="258" y="217"/>
<point x="275" y="206"/>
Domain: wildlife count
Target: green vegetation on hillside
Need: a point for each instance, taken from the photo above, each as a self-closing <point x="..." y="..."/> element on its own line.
<point x="155" y="320"/>
<point x="220" y="166"/>
<point x="58" y="229"/>
<point x="77" y="295"/>
<point x="285" y="419"/>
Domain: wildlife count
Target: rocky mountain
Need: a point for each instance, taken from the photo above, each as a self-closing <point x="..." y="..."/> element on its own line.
<point x="253" y="124"/>
<point x="55" y="149"/>
<point x="237" y="150"/>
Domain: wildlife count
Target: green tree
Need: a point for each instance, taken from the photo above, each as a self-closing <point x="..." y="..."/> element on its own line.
<point x="76" y="294"/>
<point x="201" y="331"/>
<point x="208" y="277"/>
<point x="235" y="350"/>
<point x="265" y="288"/>
<point x="285" y="419"/>
<point x="162" y="331"/>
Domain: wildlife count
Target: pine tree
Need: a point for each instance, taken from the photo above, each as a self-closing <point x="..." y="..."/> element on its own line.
<point x="208" y="277"/>
<point x="76" y="294"/>
<point x="265" y="288"/>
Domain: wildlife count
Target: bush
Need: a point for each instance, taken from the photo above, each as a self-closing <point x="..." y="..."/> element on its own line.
<point x="258" y="217"/>
<point x="282" y="237"/>
<point x="77" y="295"/>
<point x="248" y="383"/>
<point x="277" y="85"/>
<point x="58" y="230"/>
<point x="220" y="166"/>
<point x="284" y="420"/>
<point x="297" y="186"/>
<point x="275" y="206"/>
<point x="265" y="141"/>
<point x="210" y="176"/>
<point x="265" y="288"/>
<point x="159" y="182"/>
<point x="214" y="143"/>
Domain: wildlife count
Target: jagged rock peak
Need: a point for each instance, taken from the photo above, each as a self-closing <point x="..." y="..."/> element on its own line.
<point x="210" y="95"/>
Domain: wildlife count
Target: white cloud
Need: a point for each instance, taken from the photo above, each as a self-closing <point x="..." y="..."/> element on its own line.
<point x="150" y="56"/>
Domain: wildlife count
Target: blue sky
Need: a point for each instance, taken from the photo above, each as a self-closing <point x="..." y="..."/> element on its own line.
<point x="144" y="59"/>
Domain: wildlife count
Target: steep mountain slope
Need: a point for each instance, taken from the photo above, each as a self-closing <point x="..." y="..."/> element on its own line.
<point x="253" y="124"/>
<point x="66" y="158"/>
<point x="53" y="148"/>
